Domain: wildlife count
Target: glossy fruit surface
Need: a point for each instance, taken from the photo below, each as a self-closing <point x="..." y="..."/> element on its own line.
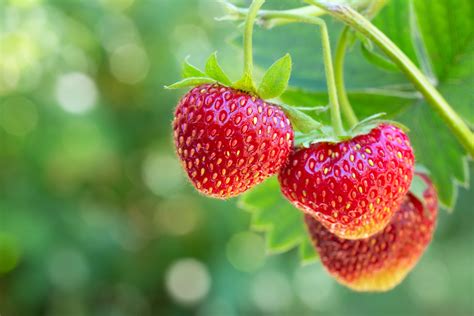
<point x="228" y="140"/>
<point x="382" y="261"/>
<point x="353" y="187"/>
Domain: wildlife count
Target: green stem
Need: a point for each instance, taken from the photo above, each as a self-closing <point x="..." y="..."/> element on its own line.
<point x="339" y="73"/>
<point x="246" y="82"/>
<point x="331" y="82"/>
<point x="432" y="96"/>
<point x="236" y="13"/>
<point x="286" y="16"/>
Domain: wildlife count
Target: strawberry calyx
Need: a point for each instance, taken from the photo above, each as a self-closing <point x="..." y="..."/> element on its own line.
<point x="327" y="133"/>
<point x="273" y="84"/>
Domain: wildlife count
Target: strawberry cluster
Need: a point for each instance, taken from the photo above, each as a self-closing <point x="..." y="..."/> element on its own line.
<point x="367" y="226"/>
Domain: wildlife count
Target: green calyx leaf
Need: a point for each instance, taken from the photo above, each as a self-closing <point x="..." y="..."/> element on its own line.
<point x="214" y="70"/>
<point x="245" y="84"/>
<point x="191" y="71"/>
<point x="300" y="120"/>
<point x="307" y="139"/>
<point x="307" y="252"/>
<point x="190" y="82"/>
<point x="367" y="124"/>
<point x="418" y="187"/>
<point x="275" y="80"/>
<point x="193" y="76"/>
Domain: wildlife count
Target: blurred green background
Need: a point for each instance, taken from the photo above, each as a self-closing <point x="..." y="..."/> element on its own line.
<point x="96" y="216"/>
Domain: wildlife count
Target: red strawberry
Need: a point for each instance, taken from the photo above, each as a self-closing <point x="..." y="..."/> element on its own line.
<point x="229" y="140"/>
<point x="353" y="187"/>
<point x="382" y="261"/>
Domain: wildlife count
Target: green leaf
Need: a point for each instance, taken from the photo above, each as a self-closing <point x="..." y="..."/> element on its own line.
<point x="418" y="187"/>
<point x="275" y="80"/>
<point x="394" y="19"/>
<point x="300" y="120"/>
<point x="302" y="42"/>
<point x="377" y="59"/>
<point x="189" y="82"/>
<point x="308" y="253"/>
<point x="273" y="214"/>
<point x="191" y="71"/>
<point x="214" y="70"/>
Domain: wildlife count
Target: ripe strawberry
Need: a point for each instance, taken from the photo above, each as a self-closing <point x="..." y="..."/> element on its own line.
<point x="353" y="187"/>
<point x="229" y="140"/>
<point x="382" y="261"/>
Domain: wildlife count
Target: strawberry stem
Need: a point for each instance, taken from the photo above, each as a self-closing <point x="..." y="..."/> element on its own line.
<point x="246" y="82"/>
<point x="339" y="73"/>
<point x="330" y="79"/>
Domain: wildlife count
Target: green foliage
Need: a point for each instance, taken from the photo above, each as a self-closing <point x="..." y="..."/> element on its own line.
<point x="191" y="71"/>
<point x="418" y="187"/>
<point x="214" y="70"/>
<point x="300" y="120"/>
<point x="190" y="82"/>
<point x="275" y="80"/>
<point x="273" y="214"/>
<point x="377" y="59"/>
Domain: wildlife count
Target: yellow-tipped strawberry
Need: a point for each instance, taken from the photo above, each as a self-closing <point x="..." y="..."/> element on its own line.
<point x="382" y="261"/>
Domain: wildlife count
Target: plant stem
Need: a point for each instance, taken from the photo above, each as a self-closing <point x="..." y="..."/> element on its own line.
<point x="246" y="82"/>
<point x="285" y="16"/>
<point x="236" y="13"/>
<point x="339" y="73"/>
<point x="331" y="82"/>
<point x="432" y="96"/>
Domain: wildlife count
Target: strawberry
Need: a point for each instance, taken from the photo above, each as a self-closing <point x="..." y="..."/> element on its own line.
<point x="352" y="187"/>
<point x="229" y="140"/>
<point x="382" y="261"/>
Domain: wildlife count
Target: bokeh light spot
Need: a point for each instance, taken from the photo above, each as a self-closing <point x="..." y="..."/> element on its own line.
<point x="24" y="3"/>
<point x="246" y="251"/>
<point x="119" y="5"/>
<point x="309" y="282"/>
<point x="76" y="92"/>
<point x="188" y="281"/>
<point x="68" y="269"/>
<point x="18" y="116"/>
<point x="129" y="63"/>
<point x="9" y="253"/>
<point x="271" y="291"/>
<point x="162" y="173"/>
<point x="177" y="216"/>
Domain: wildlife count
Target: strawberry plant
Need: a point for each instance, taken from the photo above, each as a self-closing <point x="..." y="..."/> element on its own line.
<point x="345" y="155"/>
